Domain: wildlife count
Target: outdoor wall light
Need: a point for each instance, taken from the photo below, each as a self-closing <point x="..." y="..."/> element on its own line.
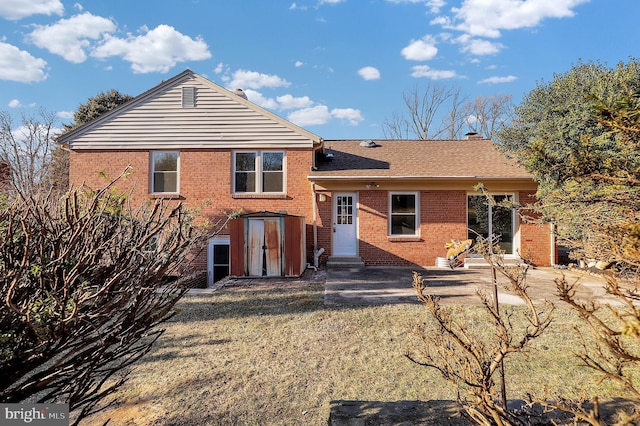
<point x="322" y="197"/>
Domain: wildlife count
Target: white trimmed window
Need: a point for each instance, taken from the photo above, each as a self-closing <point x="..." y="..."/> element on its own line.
<point x="258" y="171"/>
<point x="403" y="213"/>
<point x="164" y="171"/>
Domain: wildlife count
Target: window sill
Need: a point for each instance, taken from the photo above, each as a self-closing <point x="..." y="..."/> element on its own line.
<point x="404" y="239"/>
<point x="167" y="195"/>
<point x="260" y="195"/>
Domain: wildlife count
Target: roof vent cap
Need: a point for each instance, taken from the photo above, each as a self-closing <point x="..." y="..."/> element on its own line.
<point x="241" y="93"/>
<point x="368" y="144"/>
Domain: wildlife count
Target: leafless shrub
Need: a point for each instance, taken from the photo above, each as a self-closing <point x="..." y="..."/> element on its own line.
<point x="84" y="283"/>
<point x="468" y="361"/>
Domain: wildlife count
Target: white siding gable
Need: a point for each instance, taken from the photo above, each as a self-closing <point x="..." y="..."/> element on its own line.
<point x="157" y="119"/>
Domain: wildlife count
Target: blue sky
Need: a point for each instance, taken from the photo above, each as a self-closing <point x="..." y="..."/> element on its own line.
<point x="335" y="67"/>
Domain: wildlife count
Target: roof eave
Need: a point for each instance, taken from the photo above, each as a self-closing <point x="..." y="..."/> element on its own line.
<point x="414" y="178"/>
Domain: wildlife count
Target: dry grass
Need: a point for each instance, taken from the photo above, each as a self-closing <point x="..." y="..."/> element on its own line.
<point x="277" y="356"/>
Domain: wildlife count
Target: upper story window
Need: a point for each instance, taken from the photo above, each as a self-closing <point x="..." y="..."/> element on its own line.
<point x="164" y="171"/>
<point x="259" y="171"/>
<point x="403" y="217"/>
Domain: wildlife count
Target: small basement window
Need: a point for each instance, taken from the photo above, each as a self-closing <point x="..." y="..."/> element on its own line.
<point x="188" y="97"/>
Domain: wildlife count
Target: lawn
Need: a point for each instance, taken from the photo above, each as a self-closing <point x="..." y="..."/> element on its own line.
<point x="260" y="354"/>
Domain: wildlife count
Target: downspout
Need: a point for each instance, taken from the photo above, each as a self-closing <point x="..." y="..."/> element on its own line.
<point x="315" y="224"/>
<point x="554" y="250"/>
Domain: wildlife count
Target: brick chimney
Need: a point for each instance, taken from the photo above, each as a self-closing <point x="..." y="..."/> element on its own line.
<point x="473" y="136"/>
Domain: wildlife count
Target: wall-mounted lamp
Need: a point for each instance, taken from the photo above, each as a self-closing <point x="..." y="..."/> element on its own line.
<point x="322" y="197"/>
<point x="372" y="185"/>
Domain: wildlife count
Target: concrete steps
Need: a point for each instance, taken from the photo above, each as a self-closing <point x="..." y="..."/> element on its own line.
<point x="480" y="263"/>
<point x="344" y="262"/>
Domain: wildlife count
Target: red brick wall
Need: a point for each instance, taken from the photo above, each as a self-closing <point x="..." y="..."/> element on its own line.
<point x="443" y="216"/>
<point x="205" y="183"/>
<point x="535" y="238"/>
<point x="5" y="174"/>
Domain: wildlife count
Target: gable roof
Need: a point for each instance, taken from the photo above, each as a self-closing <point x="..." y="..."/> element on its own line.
<point x="220" y="119"/>
<point x="417" y="159"/>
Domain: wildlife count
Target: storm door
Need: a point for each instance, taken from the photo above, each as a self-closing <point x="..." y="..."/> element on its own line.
<point x="486" y="219"/>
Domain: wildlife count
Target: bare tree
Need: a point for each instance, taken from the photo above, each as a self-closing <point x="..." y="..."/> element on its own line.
<point x="423" y="107"/>
<point x="26" y="148"/>
<point x="85" y="280"/>
<point x="453" y="123"/>
<point x="487" y="115"/>
<point x="483" y="115"/>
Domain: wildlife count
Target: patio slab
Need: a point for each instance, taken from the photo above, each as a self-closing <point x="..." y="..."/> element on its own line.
<point x="393" y="285"/>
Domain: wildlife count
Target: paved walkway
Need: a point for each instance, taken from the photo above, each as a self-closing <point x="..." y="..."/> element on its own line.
<point x="382" y="285"/>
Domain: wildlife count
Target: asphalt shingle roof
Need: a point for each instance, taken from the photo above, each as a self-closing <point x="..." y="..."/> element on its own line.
<point x="418" y="159"/>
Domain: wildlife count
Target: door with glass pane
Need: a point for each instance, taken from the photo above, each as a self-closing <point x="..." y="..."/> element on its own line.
<point x="485" y="219"/>
<point x="218" y="260"/>
<point x="344" y="224"/>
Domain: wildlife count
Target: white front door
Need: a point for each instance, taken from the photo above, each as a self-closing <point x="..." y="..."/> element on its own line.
<point x="344" y="224"/>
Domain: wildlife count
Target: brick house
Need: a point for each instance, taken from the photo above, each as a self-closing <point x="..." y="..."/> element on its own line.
<point x="399" y="202"/>
<point x="393" y="204"/>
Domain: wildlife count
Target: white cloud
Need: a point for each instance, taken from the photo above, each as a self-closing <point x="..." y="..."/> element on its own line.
<point x="478" y="47"/>
<point x="486" y="18"/>
<point x="353" y="116"/>
<point x="369" y="73"/>
<point x="156" y="50"/>
<point x="433" y="5"/>
<point x="219" y="68"/>
<point x="290" y="102"/>
<point x="14" y="103"/>
<point x="65" y="115"/>
<point x="244" y="79"/>
<point x="420" y="50"/>
<point x="316" y="115"/>
<point x="18" y="65"/>
<point x="419" y="71"/>
<point x="299" y="64"/>
<point x="18" y="9"/>
<point x="258" y="99"/>
<point x="70" y="37"/>
<point x="321" y="2"/>
<point x="497" y="80"/>
<point x="436" y="5"/>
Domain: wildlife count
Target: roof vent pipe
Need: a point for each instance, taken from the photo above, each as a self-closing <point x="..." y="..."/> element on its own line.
<point x="241" y="93"/>
<point x="368" y="144"/>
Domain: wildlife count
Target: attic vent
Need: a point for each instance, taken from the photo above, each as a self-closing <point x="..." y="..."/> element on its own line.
<point x="188" y="97"/>
<point x="368" y="144"/>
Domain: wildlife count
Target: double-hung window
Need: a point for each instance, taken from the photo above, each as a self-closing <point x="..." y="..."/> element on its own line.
<point x="403" y="216"/>
<point x="164" y="171"/>
<point x="259" y="171"/>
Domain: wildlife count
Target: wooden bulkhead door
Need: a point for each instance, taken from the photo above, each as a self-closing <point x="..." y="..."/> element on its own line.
<point x="264" y="248"/>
